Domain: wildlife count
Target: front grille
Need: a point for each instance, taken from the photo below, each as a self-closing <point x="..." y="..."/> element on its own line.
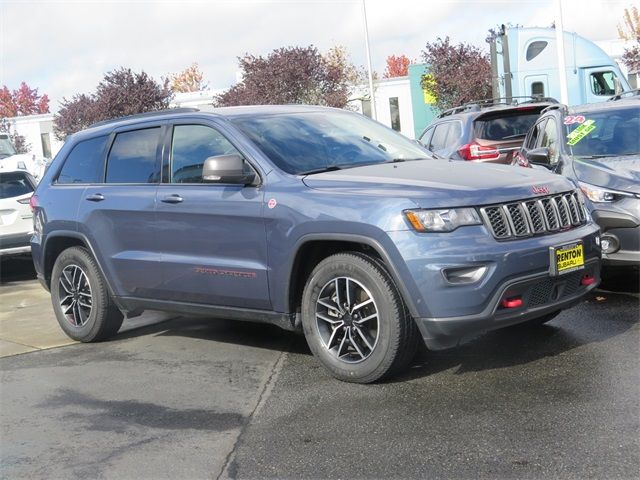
<point x="554" y="289"/>
<point x="535" y="216"/>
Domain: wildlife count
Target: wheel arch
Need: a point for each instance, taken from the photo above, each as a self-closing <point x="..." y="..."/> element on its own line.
<point x="59" y="241"/>
<point x="313" y="248"/>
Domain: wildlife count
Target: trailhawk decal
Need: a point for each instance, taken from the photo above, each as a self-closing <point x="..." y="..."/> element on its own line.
<point x="225" y="273"/>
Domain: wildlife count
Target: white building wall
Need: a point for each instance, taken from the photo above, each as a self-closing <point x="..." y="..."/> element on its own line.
<point x="33" y="128"/>
<point x="385" y="90"/>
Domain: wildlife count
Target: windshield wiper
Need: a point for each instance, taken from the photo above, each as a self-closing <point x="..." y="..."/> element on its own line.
<point x="398" y="160"/>
<point x="330" y="168"/>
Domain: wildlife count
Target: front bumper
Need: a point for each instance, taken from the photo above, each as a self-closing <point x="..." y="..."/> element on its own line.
<point x="540" y="293"/>
<point x="620" y="226"/>
<point x="447" y="312"/>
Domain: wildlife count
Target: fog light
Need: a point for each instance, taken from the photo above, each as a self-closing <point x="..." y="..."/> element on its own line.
<point x="464" y="275"/>
<point x="609" y="243"/>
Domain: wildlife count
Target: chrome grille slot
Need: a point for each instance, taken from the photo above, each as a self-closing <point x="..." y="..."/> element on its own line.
<point x="534" y="216"/>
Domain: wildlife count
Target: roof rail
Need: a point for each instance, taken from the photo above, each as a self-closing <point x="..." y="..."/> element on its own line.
<point x="622" y="95"/>
<point x="477" y="105"/>
<point x="155" y="113"/>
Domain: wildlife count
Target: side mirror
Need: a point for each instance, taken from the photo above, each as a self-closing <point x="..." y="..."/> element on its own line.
<point x="226" y="169"/>
<point x="540" y="156"/>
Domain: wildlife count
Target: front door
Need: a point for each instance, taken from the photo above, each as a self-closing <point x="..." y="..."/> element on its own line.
<point x="212" y="238"/>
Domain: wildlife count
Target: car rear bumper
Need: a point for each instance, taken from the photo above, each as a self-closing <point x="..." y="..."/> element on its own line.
<point x="15" y="243"/>
<point x="541" y="294"/>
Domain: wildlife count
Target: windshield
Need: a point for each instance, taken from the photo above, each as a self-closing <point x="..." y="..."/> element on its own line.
<point x="6" y="148"/>
<point x="308" y="142"/>
<point x="607" y="133"/>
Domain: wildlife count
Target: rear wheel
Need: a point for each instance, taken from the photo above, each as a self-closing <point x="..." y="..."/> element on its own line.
<point x="81" y="299"/>
<point x="355" y="321"/>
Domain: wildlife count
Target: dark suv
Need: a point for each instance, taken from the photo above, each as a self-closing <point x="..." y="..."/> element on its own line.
<point x="308" y="218"/>
<point x="598" y="147"/>
<point x="485" y="131"/>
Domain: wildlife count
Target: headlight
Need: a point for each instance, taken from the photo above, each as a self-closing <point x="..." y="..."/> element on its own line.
<point x="601" y="195"/>
<point x="444" y="220"/>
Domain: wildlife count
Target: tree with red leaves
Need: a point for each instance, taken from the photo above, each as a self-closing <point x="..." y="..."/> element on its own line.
<point x="293" y="75"/>
<point x="121" y="92"/>
<point x="397" y="66"/>
<point x="457" y="73"/>
<point x="22" y="101"/>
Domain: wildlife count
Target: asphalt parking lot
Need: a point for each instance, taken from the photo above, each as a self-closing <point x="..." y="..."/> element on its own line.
<point x="198" y="398"/>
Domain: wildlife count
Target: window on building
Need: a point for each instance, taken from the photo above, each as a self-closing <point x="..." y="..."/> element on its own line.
<point x="537" y="89"/>
<point x="366" y="108"/>
<point x="394" y="108"/>
<point x="45" y="139"/>
<point x="535" y="48"/>
<point x="133" y="157"/>
<point x="191" y="146"/>
<point x="84" y="163"/>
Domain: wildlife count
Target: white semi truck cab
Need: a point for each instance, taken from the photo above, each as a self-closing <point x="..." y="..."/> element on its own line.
<point x="525" y="63"/>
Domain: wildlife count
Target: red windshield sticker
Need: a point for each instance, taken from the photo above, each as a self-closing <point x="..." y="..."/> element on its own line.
<point x="571" y="119"/>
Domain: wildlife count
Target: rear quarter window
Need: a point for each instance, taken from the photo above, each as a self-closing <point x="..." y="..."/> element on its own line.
<point x="84" y="163"/>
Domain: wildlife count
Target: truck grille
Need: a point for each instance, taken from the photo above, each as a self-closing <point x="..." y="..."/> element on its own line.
<point x="537" y="216"/>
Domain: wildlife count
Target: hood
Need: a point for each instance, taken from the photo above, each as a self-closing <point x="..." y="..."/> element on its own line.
<point x="616" y="173"/>
<point x="442" y="183"/>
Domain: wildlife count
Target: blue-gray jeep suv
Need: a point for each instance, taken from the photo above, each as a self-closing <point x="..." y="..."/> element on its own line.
<point x="308" y="218"/>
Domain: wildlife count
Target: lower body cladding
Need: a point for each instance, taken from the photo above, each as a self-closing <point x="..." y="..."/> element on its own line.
<point x="466" y="283"/>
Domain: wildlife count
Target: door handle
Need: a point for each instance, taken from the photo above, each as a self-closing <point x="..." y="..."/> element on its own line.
<point x="96" y="197"/>
<point x="175" y="198"/>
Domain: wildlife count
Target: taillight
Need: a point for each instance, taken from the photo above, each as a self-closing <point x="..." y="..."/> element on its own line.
<point x="24" y="201"/>
<point x="473" y="151"/>
<point x="33" y="203"/>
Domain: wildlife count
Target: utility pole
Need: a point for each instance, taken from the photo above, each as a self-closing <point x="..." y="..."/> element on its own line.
<point x="374" y="114"/>
<point x="562" y="67"/>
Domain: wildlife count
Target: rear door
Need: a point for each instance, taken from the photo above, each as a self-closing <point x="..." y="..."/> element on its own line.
<point x="117" y="215"/>
<point x="213" y="237"/>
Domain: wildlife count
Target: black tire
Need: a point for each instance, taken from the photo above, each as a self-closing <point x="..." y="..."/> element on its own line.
<point x="81" y="299"/>
<point x="344" y="350"/>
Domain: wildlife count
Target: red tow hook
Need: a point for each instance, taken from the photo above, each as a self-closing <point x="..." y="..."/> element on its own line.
<point x="588" y="280"/>
<point x="512" y="302"/>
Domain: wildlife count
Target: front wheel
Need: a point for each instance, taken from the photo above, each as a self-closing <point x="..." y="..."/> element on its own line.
<point x="81" y="299"/>
<point x="355" y="321"/>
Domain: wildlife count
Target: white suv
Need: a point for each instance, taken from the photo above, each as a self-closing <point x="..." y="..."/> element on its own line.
<point x="16" y="219"/>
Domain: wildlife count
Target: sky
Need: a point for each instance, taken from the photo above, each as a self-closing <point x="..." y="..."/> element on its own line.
<point x="65" y="47"/>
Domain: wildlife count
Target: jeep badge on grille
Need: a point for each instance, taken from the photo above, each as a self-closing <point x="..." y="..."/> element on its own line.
<point x="538" y="190"/>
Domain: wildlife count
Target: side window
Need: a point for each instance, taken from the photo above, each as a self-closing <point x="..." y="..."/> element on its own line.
<point x="534" y="134"/>
<point x="133" y="157"/>
<point x="394" y="111"/>
<point x="426" y="137"/>
<point x="537" y="89"/>
<point x="191" y="145"/>
<point x="550" y="140"/>
<point x="603" y="83"/>
<point x="454" y="133"/>
<point x="439" y="139"/>
<point x="84" y="163"/>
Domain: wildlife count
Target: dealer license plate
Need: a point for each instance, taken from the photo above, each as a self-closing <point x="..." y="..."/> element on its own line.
<point x="567" y="258"/>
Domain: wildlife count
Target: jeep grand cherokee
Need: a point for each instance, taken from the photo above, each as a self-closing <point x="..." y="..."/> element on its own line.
<point x="308" y="218"/>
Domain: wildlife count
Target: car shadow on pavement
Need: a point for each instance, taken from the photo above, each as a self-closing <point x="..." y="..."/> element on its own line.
<point x="16" y="269"/>
<point x="602" y="317"/>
